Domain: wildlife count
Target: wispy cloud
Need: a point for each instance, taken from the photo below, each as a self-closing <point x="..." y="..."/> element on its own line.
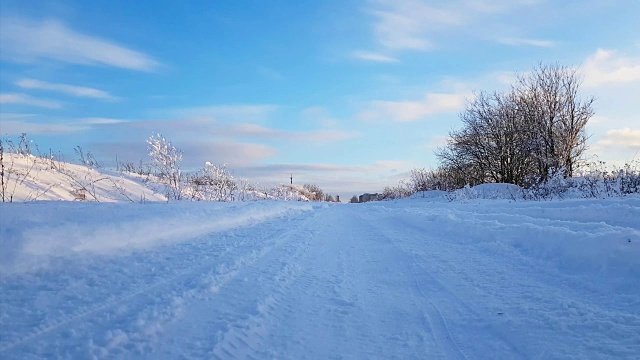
<point x="231" y="113"/>
<point x="28" y="100"/>
<point x="196" y="152"/>
<point x="212" y="128"/>
<point x="373" y="57"/>
<point x="607" y="67"/>
<point x="383" y="165"/>
<point x="405" y="24"/>
<point x="12" y="124"/>
<point x="414" y="110"/>
<point x="261" y="132"/>
<point x="527" y="42"/>
<point x="26" y="41"/>
<point x="101" y="121"/>
<point x="15" y="127"/>
<point x="79" y="91"/>
<point x="230" y="152"/>
<point x="414" y="24"/>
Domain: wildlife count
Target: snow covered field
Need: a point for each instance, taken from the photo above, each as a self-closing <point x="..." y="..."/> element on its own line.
<point x="416" y="278"/>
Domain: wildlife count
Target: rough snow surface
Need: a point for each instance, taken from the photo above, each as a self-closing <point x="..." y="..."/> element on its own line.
<point x="411" y="279"/>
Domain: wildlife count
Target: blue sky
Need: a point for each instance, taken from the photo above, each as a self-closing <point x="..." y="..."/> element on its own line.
<point x="349" y="95"/>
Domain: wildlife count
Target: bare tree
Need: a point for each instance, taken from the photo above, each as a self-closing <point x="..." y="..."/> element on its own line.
<point x="329" y="198"/>
<point x="537" y="126"/>
<point x="556" y="115"/>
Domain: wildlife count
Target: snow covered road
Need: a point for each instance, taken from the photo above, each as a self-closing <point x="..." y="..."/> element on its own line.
<point x="406" y="279"/>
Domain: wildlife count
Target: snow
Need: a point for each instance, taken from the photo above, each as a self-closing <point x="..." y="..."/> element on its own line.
<point x="414" y="278"/>
<point x="32" y="178"/>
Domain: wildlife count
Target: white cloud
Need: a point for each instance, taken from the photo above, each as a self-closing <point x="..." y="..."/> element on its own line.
<point x="607" y="67"/>
<point x="405" y="24"/>
<point x="196" y="152"/>
<point x="241" y="121"/>
<point x="372" y="56"/>
<point x="415" y="110"/>
<point x="261" y="132"/>
<point x="24" y="99"/>
<point x="527" y="42"/>
<point x="622" y="138"/>
<point x="414" y="24"/>
<point x="101" y="121"/>
<point x="210" y="128"/>
<point x="228" y="152"/>
<point x="14" y="127"/>
<point x="13" y="124"/>
<point x="228" y="113"/>
<point x="79" y="91"/>
<point x="26" y="41"/>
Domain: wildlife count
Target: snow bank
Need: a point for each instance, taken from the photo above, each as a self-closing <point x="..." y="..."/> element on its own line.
<point x="33" y="234"/>
<point x="495" y="191"/>
<point x="430" y="194"/>
<point x="601" y="237"/>
<point x="30" y="178"/>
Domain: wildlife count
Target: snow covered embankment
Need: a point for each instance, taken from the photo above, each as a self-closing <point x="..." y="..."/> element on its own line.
<point x="35" y="235"/>
<point x="585" y="236"/>
<point x="29" y="178"/>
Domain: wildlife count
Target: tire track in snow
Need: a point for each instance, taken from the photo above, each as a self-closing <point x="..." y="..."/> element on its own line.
<point x="436" y="287"/>
<point x="245" y="338"/>
<point x="224" y="275"/>
<point x="436" y="321"/>
<point x="301" y="301"/>
<point x="59" y="323"/>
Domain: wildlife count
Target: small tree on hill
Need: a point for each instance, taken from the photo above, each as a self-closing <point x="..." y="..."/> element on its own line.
<point x="165" y="159"/>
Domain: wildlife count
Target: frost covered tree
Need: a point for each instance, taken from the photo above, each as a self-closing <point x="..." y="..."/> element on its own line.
<point x="212" y="183"/>
<point x="165" y="159"/>
<point x="314" y="192"/>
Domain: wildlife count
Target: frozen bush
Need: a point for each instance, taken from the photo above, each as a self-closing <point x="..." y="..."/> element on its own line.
<point x="165" y="159"/>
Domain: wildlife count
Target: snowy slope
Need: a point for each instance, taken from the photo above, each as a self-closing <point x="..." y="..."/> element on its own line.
<point x="409" y="279"/>
<point x="30" y="178"/>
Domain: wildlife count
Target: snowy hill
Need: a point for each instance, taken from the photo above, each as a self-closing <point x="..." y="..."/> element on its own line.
<point x="28" y="177"/>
